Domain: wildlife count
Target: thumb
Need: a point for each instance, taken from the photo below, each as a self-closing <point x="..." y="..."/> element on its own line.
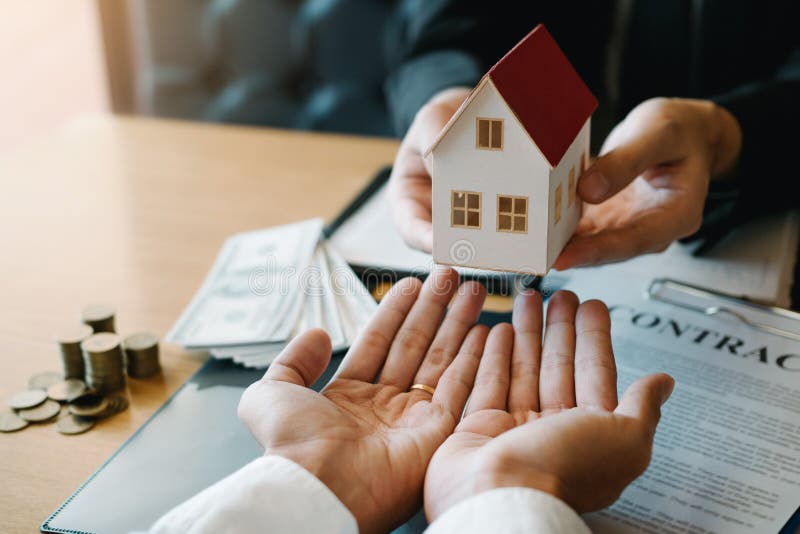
<point x="643" y="399"/>
<point x="303" y="361"/>
<point x="636" y="148"/>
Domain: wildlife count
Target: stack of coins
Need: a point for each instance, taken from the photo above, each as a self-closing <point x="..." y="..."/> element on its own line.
<point x="99" y="316"/>
<point x="69" y="343"/>
<point x="105" y="368"/>
<point x="141" y="355"/>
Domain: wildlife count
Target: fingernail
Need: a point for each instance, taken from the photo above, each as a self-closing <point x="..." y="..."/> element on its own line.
<point x="595" y="186"/>
<point x="668" y="391"/>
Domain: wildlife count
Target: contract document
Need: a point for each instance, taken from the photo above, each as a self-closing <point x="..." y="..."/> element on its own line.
<point x="726" y="457"/>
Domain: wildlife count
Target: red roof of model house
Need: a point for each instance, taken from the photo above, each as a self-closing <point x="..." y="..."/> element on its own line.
<point x="544" y="92"/>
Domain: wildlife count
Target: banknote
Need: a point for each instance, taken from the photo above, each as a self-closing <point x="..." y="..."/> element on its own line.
<point x="334" y="299"/>
<point x="253" y="293"/>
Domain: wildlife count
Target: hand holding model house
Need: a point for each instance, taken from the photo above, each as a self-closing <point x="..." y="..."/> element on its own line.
<point x="499" y="177"/>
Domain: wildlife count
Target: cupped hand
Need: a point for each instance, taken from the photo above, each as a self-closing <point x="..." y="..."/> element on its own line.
<point x="366" y="435"/>
<point x="649" y="185"/>
<point x="410" y="183"/>
<point x="544" y="414"/>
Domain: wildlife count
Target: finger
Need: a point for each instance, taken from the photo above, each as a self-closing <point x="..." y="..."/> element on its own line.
<point x="456" y="383"/>
<point x="557" y="373"/>
<point x="461" y="316"/>
<point x="410" y="194"/>
<point x="410" y="182"/>
<point x="641" y="145"/>
<point x="415" y="335"/>
<point x="643" y="399"/>
<point x="647" y="235"/>
<point x="595" y="370"/>
<point x="303" y="360"/>
<point x="526" y="356"/>
<point x="494" y="373"/>
<point x="367" y="355"/>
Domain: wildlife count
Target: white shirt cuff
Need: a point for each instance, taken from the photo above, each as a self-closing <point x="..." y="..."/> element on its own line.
<point x="510" y="510"/>
<point x="271" y="494"/>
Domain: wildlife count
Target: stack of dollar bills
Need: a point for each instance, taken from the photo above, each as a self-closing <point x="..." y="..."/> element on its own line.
<point x="267" y="286"/>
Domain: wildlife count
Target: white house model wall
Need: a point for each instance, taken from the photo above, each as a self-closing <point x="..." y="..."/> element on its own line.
<point x="575" y="160"/>
<point x="517" y="170"/>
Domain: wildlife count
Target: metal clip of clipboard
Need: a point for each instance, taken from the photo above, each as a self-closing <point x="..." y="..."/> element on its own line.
<point x="784" y="323"/>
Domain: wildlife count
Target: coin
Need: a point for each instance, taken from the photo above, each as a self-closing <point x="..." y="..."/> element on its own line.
<point x="104" y="361"/>
<point x="99" y="316"/>
<point x="141" y="354"/>
<point x="89" y="405"/>
<point x="69" y="344"/>
<point x="116" y="404"/>
<point x="45" y="411"/>
<point x="67" y="390"/>
<point x="74" y="424"/>
<point x="11" y="422"/>
<point x="27" y="399"/>
<point x="44" y="380"/>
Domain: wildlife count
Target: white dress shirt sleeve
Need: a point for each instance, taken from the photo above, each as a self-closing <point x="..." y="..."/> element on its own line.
<point x="510" y="510"/>
<point x="270" y="494"/>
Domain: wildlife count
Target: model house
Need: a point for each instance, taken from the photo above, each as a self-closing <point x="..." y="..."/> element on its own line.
<point x="505" y="167"/>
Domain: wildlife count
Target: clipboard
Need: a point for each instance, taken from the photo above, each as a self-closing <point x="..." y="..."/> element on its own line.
<point x="742" y="316"/>
<point x="767" y="319"/>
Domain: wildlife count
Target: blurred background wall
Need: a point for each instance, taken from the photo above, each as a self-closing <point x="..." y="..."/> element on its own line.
<point x="51" y="60"/>
<point x="308" y="64"/>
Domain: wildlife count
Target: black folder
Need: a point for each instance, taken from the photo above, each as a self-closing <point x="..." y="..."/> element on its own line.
<point x="192" y="441"/>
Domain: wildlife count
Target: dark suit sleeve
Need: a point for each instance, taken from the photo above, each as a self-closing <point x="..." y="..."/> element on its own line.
<point x="769" y="115"/>
<point x="447" y="43"/>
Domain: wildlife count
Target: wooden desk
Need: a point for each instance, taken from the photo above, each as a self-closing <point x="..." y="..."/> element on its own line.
<point x="132" y="212"/>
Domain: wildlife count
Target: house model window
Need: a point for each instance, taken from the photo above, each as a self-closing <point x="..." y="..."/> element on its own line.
<point x="465" y="209"/>
<point x="571" y="187"/>
<point x="489" y="134"/>
<point x="557" y="209"/>
<point x="512" y="214"/>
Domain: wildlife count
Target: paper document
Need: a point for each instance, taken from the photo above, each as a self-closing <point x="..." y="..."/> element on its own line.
<point x="756" y="261"/>
<point x="727" y="451"/>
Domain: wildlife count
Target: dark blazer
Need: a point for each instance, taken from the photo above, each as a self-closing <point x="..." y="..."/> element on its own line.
<point x="743" y="54"/>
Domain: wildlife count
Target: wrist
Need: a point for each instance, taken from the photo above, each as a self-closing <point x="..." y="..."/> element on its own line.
<point x="323" y="464"/>
<point x="727" y="142"/>
<point x="501" y="471"/>
<point x="329" y="464"/>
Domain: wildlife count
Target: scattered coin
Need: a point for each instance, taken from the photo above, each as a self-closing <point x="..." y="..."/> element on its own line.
<point x="116" y="404"/>
<point x="69" y="344"/>
<point x="44" y="380"/>
<point x="67" y="390"/>
<point x="141" y="354"/>
<point x="27" y="399"/>
<point x="74" y="424"/>
<point x="11" y="422"/>
<point x="104" y="361"/>
<point x="89" y="405"/>
<point x="95" y="362"/>
<point x="44" y="412"/>
<point x="99" y="316"/>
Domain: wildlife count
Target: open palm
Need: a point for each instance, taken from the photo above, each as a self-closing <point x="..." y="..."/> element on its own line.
<point x="366" y="435"/>
<point x="545" y="415"/>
